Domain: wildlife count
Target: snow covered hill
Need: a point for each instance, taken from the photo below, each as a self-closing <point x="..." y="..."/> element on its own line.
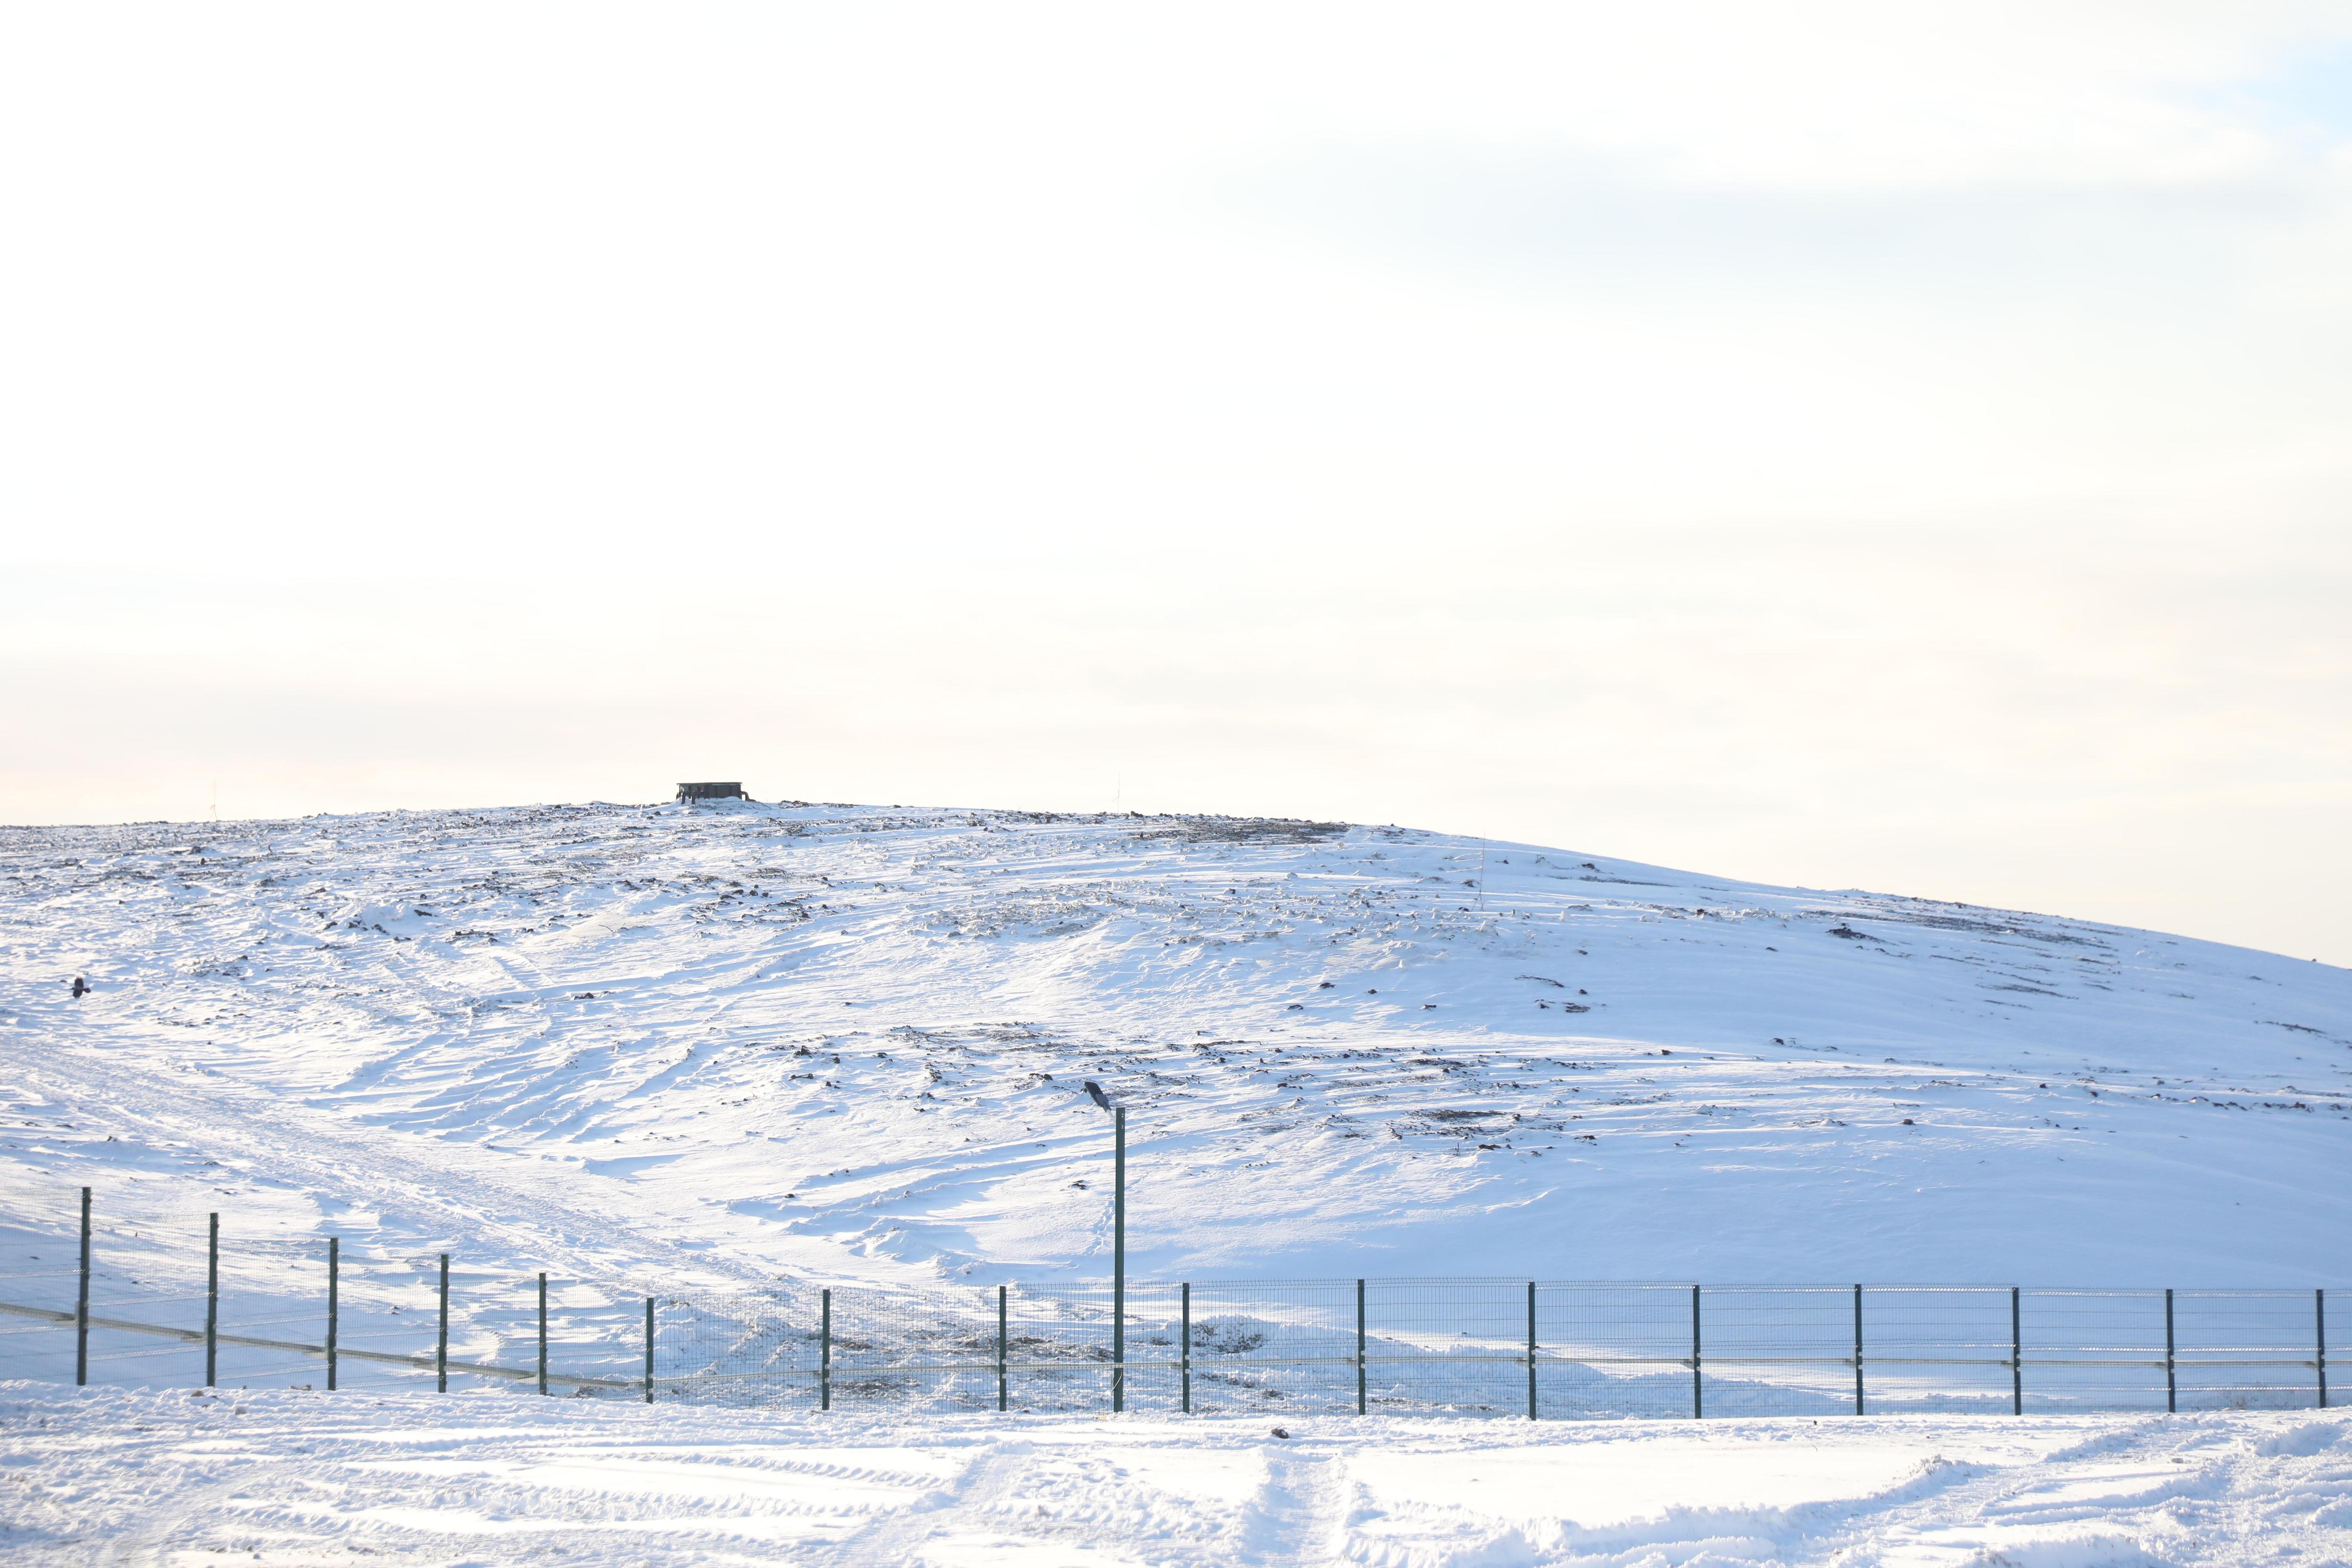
<point x="739" y="1042"/>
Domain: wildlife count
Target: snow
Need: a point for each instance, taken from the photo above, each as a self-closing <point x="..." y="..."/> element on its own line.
<point x="283" y="1477"/>
<point x="747" y="1046"/>
<point x="729" y="1042"/>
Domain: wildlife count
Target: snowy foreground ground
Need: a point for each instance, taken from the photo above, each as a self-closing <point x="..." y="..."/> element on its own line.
<point x="283" y="1477"/>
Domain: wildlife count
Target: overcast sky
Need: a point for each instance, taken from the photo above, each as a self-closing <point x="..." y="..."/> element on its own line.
<point x="1907" y="448"/>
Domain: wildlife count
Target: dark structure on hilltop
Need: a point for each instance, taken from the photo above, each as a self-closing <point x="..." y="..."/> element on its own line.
<point x="712" y="791"/>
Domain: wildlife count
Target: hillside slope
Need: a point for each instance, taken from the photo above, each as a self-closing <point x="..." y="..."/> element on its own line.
<point x="735" y="1042"/>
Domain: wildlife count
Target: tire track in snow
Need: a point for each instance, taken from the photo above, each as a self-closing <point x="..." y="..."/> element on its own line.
<point x="969" y="1503"/>
<point x="1299" y="1515"/>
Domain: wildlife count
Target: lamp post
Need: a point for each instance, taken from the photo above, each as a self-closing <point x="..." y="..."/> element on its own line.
<point x="1117" y="1246"/>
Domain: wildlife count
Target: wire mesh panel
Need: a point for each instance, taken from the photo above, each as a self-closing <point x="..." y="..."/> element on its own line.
<point x="1612" y="1350"/>
<point x="1778" y="1350"/>
<point x="139" y="1279"/>
<point x="1447" y="1345"/>
<point x="935" y="1347"/>
<point x="736" y="1348"/>
<point x="1935" y="1348"/>
<point x="272" y="1321"/>
<point x="2246" y="1350"/>
<point x="1268" y="1345"/>
<point x="1058" y="1343"/>
<point x="2092" y="1350"/>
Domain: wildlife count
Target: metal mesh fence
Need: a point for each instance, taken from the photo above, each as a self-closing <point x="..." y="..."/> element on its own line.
<point x="168" y="1310"/>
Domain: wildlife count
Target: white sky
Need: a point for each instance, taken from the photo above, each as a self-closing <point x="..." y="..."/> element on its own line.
<point x="1866" y="445"/>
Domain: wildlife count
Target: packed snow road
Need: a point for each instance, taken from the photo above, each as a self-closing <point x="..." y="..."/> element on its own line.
<point x="282" y="1479"/>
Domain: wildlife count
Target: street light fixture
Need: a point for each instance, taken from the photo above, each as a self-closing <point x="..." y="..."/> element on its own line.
<point x="1117" y="1246"/>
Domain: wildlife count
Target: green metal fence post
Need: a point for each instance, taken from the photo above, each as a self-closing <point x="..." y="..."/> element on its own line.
<point x="1001" y="1316"/>
<point x="1698" y="1405"/>
<point x="1359" y="1347"/>
<point x="1118" y="1262"/>
<point x="543" y="1333"/>
<point x="1857" y="1349"/>
<point x="334" y="1281"/>
<point x="649" y="1350"/>
<point x="2319" y="1309"/>
<point x="1531" y="1349"/>
<point x="441" y="1338"/>
<point x="2016" y="1356"/>
<point x="1184" y="1356"/>
<point x="212" y="1302"/>
<point x="2171" y="1388"/>
<point x="825" y="1354"/>
<point x="81" y="1302"/>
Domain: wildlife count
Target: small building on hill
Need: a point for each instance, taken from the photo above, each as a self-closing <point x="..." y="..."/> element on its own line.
<point x="712" y="791"/>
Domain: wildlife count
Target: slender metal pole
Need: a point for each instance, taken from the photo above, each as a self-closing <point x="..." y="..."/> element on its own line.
<point x="1118" y="1261"/>
<point x="649" y="1350"/>
<point x="2319" y="1309"/>
<point x="2172" y="1389"/>
<point x="81" y="1302"/>
<point x="212" y="1302"/>
<point x="334" y="1283"/>
<point x="441" y="1338"/>
<point x="825" y="1355"/>
<point x="1857" y="1349"/>
<point x="1001" y="1316"/>
<point x="543" y="1333"/>
<point x="1184" y="1356"/>
<point x="1359" y="1347"/>
<point x="1699" y="1409"/>
<point x="1531" y="1349"/>
<point x="2016" y="1355"/>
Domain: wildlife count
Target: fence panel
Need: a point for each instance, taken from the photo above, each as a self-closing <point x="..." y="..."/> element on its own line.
<point x="1612" y="1350"/>
<point x="2246" y="1350"/>
<point x="2093" y="1350"/>
<point x="1778" y="1350"/>
<point x="736" y="1348"/>
<point x="1446" y="1345"/>
<point x="1942" y="1349"/>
